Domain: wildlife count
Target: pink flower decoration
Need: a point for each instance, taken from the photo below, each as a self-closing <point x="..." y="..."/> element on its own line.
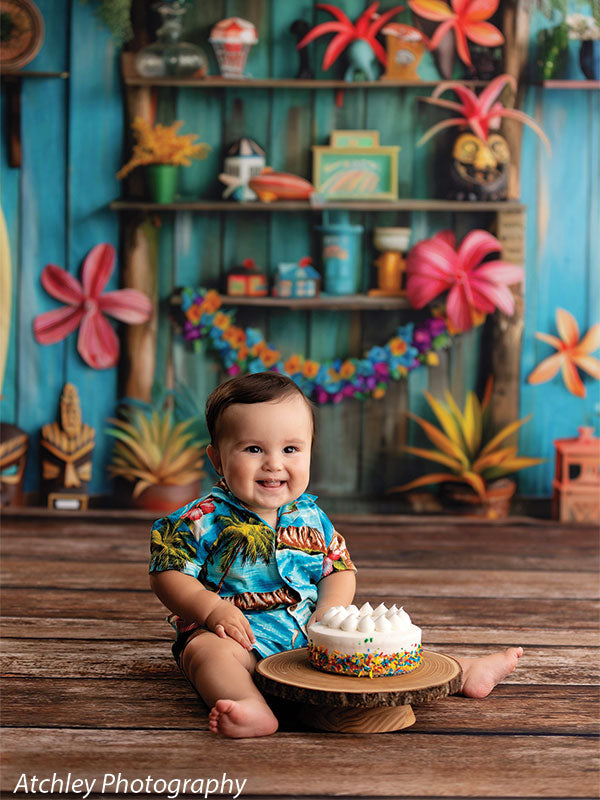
<point x="466" y="18"/>
<point x="434" y="266"/>
<point x="97" y="342"/>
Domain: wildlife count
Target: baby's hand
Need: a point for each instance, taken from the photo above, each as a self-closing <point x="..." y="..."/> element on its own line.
<point x="227" y="620"/>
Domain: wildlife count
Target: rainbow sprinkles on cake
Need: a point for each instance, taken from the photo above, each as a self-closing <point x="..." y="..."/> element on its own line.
<point x="365" y="642"/>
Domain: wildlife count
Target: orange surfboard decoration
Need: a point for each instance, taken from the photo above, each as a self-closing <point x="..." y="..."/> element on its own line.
<point x="270" y="186"/>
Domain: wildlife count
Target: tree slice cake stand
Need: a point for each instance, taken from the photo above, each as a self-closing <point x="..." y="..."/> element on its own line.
<point x="348" y="704"/>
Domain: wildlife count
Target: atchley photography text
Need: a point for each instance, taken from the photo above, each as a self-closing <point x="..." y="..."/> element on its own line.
<point x="115" y="783"/>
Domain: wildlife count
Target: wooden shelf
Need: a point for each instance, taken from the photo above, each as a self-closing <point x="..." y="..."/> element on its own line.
<point x="131" y="78"/>
<point x="8" y="75"/>
<point x="349" y="302"/>
<point x="403" y="204"/>
<point x="567" y="84"/>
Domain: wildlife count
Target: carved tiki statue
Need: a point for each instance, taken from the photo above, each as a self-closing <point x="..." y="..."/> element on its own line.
<point x="13" y="455"/>
<point x="67" y="455"/>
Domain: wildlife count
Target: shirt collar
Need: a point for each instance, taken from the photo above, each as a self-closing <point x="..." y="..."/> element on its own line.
<point x="221" y="491"/>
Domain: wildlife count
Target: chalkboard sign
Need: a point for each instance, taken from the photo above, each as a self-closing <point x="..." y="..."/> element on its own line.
<point x="353" y="173"/>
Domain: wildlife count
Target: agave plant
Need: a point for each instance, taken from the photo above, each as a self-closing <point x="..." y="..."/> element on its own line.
<point x="153" y="447"/>
<point x="467" y="445"/>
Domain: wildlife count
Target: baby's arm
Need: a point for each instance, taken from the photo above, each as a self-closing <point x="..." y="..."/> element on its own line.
<point x="336" y="589"/>
<point x="185" y="596"/>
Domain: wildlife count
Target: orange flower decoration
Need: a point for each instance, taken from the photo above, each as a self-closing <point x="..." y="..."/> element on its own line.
<point x="310" y="369"/>
<point x="211" y="302"/>
<point x="293" y="365"/>
<point x="270" y="357"/>
<point x="398" y="346"/>
<point x="347" y="370"/>
<point x="194" y="313"/>
<point x="235" y="336"/>
<point x="572" y="353"/>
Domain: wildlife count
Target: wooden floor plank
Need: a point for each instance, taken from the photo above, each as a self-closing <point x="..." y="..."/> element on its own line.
<point x="21" y="573"/>
<point x="145" y="659"/>
<point x="399" y="763"/>
<point x="426" y="611"/>
<point x="86" y="628"/>
<point x="411" y="545"/>
<point x="171" y="704"/>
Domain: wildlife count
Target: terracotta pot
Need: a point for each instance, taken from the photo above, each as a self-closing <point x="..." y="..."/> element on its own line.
<point x="166" y="497"/>
<point x="463" y="500"/>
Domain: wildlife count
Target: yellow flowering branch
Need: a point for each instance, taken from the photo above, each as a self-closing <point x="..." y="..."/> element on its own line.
<point x="160" y="144"/>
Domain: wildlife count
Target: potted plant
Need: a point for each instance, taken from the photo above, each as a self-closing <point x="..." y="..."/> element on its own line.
<point x="160" y="449"/>
<point x="162" y="151"/>
<point x="475" y="455"/>
<point x="587" y="31"/>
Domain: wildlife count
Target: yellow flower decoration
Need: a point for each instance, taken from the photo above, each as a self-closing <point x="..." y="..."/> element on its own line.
<point x="160" y="144"/>
<point x="222" y="320"/>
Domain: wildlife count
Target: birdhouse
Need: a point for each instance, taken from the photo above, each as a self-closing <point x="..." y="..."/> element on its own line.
<point x="244" y="160"/>
<point x="247" y="280"/>
<point x="298" y="279"/>
<point x="576" y="496"/>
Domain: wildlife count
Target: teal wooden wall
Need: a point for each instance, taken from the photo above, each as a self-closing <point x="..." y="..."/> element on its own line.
<point x="56" y="210"/>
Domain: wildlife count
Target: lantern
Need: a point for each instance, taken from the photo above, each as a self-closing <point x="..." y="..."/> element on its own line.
<point x="576" y="496"/>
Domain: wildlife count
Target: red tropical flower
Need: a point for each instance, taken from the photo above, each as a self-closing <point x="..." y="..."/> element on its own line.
<point x="97" y="342"/>
<point x="480" y="113"/>
<point x="205" y="507"/>
<point x="366" y="27"/>
<point x="466" y="18"/>
<point x="434" y="266"/>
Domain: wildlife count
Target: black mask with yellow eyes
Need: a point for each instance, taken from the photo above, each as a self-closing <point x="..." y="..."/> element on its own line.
<point x="479" y="169"/>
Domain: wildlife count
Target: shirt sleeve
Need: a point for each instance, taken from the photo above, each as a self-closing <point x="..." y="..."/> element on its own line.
<point x="173" y="545"/>
<point x="337" y="557"/>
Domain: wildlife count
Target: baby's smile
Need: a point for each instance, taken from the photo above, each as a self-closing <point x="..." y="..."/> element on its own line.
<point x="271" y="483"/>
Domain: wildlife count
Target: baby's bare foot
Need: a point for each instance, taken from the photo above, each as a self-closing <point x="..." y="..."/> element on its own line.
<point x="480" y="675"/>
<point x="242" y="718"/>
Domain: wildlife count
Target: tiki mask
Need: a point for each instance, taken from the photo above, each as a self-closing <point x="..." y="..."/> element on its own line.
<point x="13" y="455"/>
<point x="479" y="169"/>
<point x="67" y="455"/>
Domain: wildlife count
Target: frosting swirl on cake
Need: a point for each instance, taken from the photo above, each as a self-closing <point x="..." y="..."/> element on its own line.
<point x="365" y="641"/>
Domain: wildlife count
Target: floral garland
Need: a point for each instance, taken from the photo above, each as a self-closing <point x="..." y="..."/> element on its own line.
<point x="196" y="312"/>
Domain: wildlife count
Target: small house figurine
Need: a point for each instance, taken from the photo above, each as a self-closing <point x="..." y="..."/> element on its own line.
<point x="298" y="279"/>
<point x="247" y="280"/>
<point x="576" y="496"/>
<point x="244" y="160"/>
<point x="67" y="455"/>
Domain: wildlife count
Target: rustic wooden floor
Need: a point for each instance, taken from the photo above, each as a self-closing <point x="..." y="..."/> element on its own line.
<point x="90" y="689"/>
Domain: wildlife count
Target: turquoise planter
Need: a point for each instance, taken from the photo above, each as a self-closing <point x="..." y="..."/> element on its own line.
<point x="162" y="182"/>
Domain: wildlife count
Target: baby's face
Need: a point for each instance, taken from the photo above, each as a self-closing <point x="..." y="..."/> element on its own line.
<point x="263" y="453"/>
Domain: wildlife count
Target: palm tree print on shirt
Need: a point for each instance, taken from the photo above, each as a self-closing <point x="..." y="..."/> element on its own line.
<point x="250" y="540"/>
<point x="169" y="548"/>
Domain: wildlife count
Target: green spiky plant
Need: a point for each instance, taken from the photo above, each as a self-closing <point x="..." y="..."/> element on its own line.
<point x="467" y="444"/>
<point x="158" y="443"/>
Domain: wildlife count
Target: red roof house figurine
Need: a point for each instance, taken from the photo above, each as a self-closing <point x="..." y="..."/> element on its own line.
<point x="298" y="279"/>
<point x="576" y="496"/>
<point x="247" y="280"/>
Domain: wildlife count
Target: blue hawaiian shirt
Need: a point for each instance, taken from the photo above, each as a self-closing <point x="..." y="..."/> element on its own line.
<point x="270" y="575"/>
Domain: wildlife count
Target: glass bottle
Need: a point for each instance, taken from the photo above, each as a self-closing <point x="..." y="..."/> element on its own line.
<point x="169" y="55"/>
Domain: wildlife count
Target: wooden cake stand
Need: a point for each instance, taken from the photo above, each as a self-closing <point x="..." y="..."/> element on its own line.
<point x="347" y="704"/>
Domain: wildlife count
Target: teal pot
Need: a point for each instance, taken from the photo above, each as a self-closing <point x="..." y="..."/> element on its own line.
<point x="340" y="254"/>
<point x="162" y="182"/>
<point x="589" y="59"/>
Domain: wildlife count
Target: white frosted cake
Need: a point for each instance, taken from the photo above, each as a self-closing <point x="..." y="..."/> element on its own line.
<point x="364" y="641"/>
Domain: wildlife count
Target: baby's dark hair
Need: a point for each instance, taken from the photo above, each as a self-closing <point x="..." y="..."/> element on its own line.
<point x="260" y="387"/>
